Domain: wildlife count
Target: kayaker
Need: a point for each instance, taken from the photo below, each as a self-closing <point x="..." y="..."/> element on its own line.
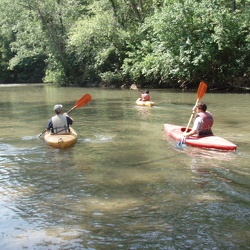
<point x="203" y="121"/>
<point x="59" y="123"/>
<point x="144" y="96"/>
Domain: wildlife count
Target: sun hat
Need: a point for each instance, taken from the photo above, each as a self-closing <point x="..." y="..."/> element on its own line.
<point x="58" y="108"/>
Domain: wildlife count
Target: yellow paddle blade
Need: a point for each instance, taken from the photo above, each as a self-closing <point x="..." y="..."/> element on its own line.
<point x="133" y="86"/>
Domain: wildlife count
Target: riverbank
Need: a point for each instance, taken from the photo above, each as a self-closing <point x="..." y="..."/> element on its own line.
<point x="213" y="89"/>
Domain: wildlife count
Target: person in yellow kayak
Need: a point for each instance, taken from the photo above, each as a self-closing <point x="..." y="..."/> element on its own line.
<point x="144" y="96"/>
<point x="203" y="121"/>
<point x="59" y="123"/>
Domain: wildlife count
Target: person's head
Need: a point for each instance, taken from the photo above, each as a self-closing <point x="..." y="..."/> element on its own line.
<point x="201" y="106"/>
<point x="146" y="91"/>
<point x="58" y="108"/>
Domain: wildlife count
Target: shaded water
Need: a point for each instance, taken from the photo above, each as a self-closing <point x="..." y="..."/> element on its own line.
<point x="123" y="185"/>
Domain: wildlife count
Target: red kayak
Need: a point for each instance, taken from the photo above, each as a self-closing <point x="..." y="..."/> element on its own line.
<point x="213" y="142"/>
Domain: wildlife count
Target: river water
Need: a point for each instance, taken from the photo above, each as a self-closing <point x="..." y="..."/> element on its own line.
<point x="124" y="184"/>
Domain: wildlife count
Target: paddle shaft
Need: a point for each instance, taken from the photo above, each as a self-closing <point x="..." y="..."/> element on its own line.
<point x="139" y="92"/>
<point x="200" y="93"/>
<point x="191" y="117"/>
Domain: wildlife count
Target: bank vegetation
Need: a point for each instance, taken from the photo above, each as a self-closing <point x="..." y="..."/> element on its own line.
<point x="155" y="43"/>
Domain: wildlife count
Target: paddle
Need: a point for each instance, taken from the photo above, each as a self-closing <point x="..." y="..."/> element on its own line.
<point x="81" y="102"/>
<point x="200" y="93"/>
<point x="134" y="87"/>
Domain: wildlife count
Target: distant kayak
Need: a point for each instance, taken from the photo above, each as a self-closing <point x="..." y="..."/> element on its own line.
<point x="144" y="103"/>
<point x="61" y="141"/>
<point x="212" y="141"/>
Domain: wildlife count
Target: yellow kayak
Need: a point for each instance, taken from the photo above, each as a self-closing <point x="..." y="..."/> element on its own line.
<point x="61" y="141"/>
<point x="144" y="103"/>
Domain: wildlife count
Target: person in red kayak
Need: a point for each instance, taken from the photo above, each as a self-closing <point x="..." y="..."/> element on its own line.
<point x="59" y="123"/>
<point x="144" y="96"/>
<point x="203" y="121"/>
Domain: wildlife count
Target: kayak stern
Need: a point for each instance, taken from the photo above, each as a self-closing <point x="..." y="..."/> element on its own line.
<point x="61" y="141"/>
<point x="144" y="103"/>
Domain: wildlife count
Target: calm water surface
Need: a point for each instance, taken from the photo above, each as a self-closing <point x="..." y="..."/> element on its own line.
<point x="123" y="185"/>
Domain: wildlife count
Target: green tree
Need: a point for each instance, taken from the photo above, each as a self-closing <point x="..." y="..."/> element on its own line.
<point x="164" y="42"/>
<point x="99" y="41"/>
<point x="55" y="19"/>
<point x="185" y="42"/>
<point x="96" y="42"/>
<point x="39" y="35"/>
<point x="24" y="42"/>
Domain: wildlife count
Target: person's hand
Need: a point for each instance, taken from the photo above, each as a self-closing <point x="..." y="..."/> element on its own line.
<point x="185" y="134"/>
<point x="194" y="108"/>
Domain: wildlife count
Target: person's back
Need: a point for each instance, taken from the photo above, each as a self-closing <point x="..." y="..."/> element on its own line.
<point x="145" y="97"/>
<point x="59" y="123"/>
<point x="206" y="124"/>
<point x="203" y="121"/>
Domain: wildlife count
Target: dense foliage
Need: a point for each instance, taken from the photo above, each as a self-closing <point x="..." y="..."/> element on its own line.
<point x="161" y="43"/>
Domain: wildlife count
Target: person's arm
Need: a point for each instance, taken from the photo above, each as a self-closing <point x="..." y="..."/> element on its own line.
<point x="70" y="120"/>
<point x="49" y="125"/>
<point x="195" y="129"/>
<point x="143" y="97"/>
<point x="192" y="132"/>
<point x="139" y="93"/>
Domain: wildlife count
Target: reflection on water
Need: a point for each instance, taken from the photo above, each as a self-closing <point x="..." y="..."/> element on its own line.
<point x="123" y="185"/>
<point x="196" y="152"/>
<point x="143" y="112"/>
<point x="206" y="153"/>
<point x="98" y="138"/>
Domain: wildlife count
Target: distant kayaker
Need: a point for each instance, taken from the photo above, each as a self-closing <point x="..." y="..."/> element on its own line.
<point x="59" y="124"/>
<point x="203" y="121"/>
<point x="144" y="96"/>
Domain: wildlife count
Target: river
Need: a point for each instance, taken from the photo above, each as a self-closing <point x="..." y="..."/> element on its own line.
<point x="124" y="184"/>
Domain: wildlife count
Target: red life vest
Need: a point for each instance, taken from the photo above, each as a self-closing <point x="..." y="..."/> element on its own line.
<point x="145" y="97"/>
<point x="207" y="119"/>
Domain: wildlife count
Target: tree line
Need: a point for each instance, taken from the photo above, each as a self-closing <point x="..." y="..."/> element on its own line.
<point x="156" y="43"/>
